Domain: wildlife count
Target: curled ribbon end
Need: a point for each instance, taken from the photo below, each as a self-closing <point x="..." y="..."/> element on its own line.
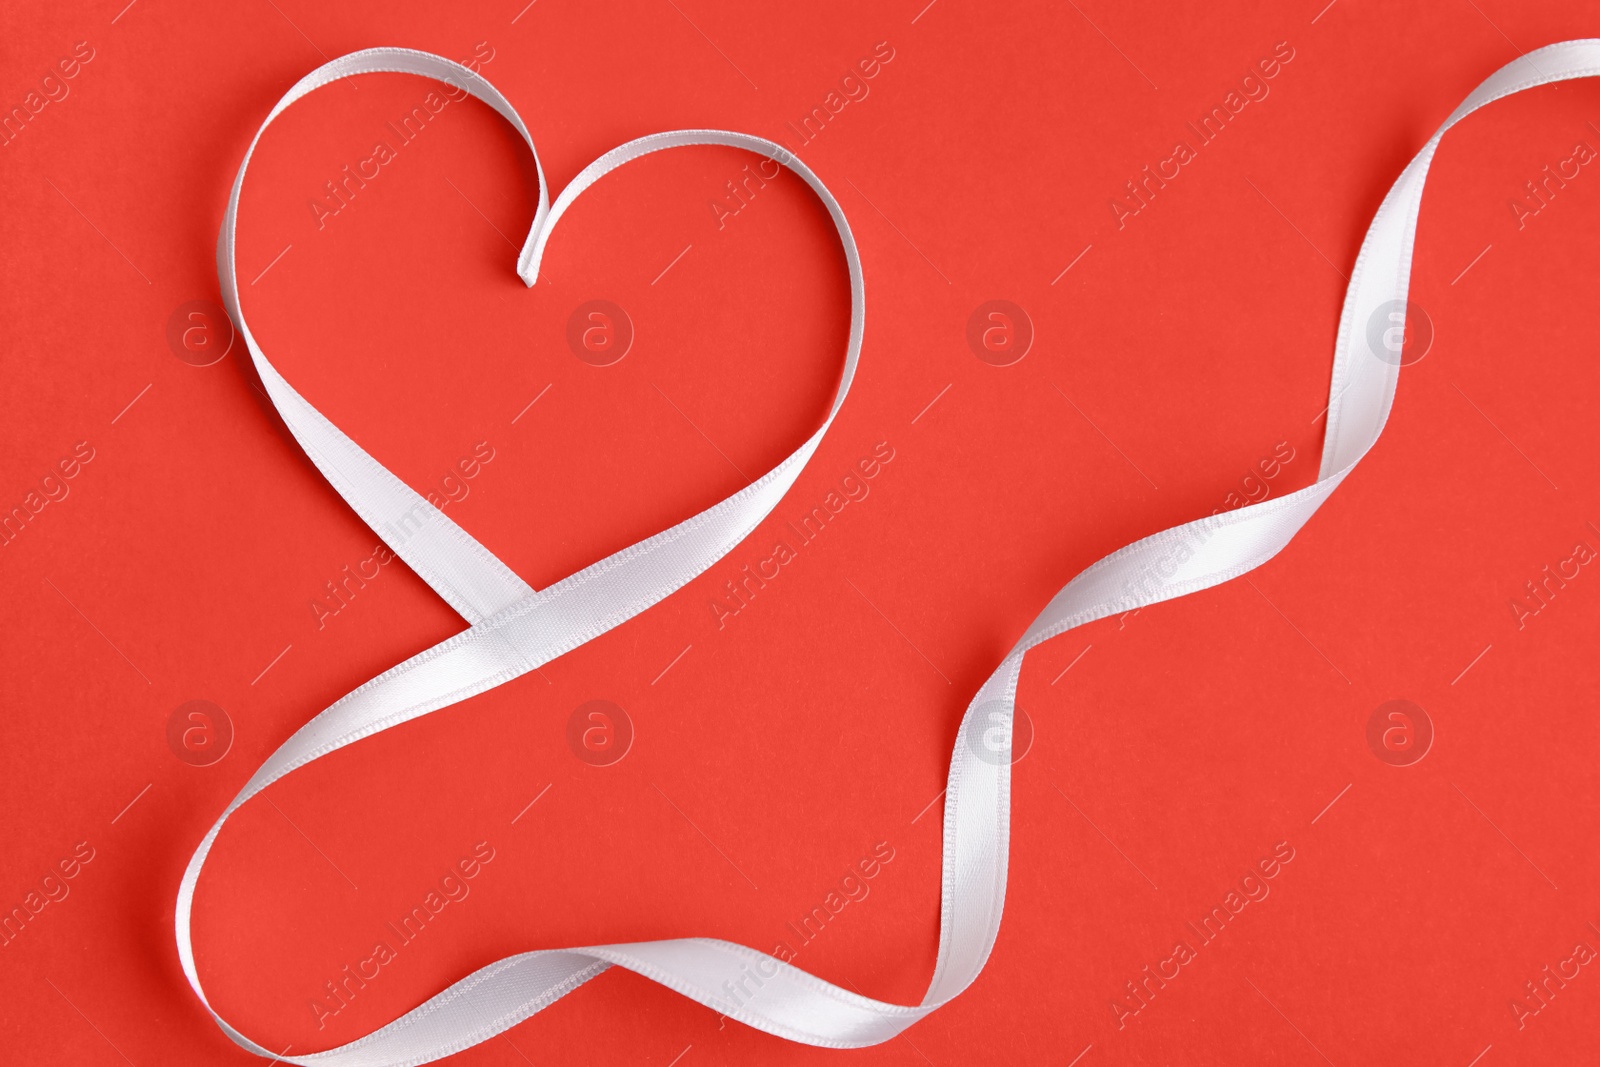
<point x="528" y="258"/>
<point x="533" y="248"/>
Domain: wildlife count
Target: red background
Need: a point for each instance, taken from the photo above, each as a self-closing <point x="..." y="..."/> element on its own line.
<point x="778" y="750"/>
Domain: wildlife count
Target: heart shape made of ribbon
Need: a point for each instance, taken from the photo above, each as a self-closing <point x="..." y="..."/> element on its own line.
<point x="514" y="628"/>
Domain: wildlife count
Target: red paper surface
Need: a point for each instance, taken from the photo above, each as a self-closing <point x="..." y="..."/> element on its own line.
<point x="1179" y="356"/>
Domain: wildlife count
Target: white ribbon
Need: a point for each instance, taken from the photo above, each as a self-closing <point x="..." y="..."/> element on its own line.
<point x="515" y="628"/>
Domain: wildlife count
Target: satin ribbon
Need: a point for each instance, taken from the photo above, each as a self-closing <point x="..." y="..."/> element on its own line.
<point x="514" y="628"/>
